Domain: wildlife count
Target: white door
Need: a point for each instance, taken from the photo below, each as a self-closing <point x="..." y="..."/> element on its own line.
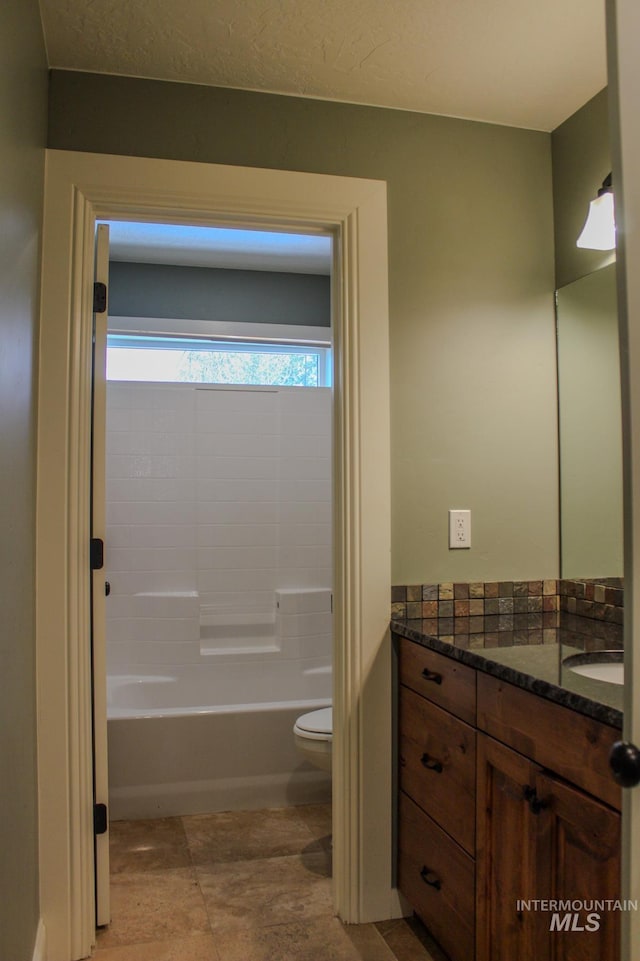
<point x="623" y="33"/>
<point x="98" y="584"/>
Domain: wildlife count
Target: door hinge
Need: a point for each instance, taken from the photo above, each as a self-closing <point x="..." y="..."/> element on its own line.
<point x="96" y="554"/>
<point x="99" y="297"/>
<point x="100" y="819"/>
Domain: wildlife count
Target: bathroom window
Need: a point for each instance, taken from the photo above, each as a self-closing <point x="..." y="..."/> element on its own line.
<point x="198" y="361"/>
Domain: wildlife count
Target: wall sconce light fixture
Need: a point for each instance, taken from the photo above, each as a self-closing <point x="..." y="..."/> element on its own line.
<point x="599" y="231"/>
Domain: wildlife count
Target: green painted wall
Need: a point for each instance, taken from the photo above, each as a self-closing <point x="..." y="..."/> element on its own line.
<point x="202" y="293"/>
<point x="471" y="292"/>
<point x="23" y="102"/>
<point x="581" y="157"/>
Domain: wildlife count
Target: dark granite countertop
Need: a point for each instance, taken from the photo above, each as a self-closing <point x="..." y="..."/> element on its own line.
<point x="527" y="663"/>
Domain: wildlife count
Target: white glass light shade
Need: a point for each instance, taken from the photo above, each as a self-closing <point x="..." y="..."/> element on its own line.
<point x="599" y="231"/>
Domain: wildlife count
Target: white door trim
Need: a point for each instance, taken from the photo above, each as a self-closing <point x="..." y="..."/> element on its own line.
<point x="78" y="189"/>
<point x="623" y="27"/>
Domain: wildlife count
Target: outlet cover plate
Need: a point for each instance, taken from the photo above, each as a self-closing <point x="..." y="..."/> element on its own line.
<point x="459" y="529"/>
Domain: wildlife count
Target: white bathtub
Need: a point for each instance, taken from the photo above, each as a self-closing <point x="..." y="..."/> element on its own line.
<point x="219" y="753"/>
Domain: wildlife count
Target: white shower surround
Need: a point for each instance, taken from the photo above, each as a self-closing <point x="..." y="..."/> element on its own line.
<point x="217" y="499"/>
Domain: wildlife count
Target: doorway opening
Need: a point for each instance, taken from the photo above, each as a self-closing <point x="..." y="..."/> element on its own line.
<point x="83" y="189"/>
<point x="218" y="527"/>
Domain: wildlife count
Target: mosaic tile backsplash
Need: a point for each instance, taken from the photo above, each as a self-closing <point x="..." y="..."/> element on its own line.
<point x="589" y="611"/>
<point x="479" y="607"/>
<point x="594" y="608"/>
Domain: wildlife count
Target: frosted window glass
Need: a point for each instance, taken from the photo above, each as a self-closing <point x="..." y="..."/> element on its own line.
<point x="198" y="363"/>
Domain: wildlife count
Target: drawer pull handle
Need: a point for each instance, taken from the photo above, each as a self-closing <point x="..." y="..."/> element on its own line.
<point x="431" y="764"/>
<point x="430" y="878"/>
<point x="432" y="676"/>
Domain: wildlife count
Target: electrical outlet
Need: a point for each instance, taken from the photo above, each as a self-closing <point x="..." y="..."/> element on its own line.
<point x="459" y="529"/>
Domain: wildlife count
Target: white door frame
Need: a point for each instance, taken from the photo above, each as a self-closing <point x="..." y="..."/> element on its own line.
<point x="623" y="30"/>
<point x="79" y="188"/>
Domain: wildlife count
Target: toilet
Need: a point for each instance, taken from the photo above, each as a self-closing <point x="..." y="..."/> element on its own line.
<point x="312" y="733"/>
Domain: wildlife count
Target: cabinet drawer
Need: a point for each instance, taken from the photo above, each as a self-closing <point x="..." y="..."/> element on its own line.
<point x="438" y="879"/>
<point x="446" y="682"/>
<point x="438" y="765"/>
<point x="572" y="745"/>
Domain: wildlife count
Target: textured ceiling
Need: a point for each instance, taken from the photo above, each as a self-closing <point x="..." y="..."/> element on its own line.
<point x="524" y="63"/>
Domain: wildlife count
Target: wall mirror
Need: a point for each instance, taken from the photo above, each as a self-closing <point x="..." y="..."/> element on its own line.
<point x="590" y="427"/>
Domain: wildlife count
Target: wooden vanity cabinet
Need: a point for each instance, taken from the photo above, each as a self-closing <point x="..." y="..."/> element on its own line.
<point x="539" y="838"/>
<point x="522" y="808"/>
<point x="437" y="798"/>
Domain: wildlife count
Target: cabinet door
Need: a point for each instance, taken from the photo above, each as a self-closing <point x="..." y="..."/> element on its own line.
<point x="507" y="869"/>
<point x="541" y="846"/>
<point x="579" y="858"/>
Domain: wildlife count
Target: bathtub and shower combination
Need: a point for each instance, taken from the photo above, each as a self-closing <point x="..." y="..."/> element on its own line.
<point x="219" y="618"/>
<point x="204" y="741"/>
<point x="214" y="732"/>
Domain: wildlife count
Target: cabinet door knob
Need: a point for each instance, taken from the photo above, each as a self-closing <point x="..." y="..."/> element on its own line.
<point x="537" y="804"/>
<point x="432" y="676"/>
<point x="430" y="878"/>
<point x="624" y="761"/>
<point x="431" y="764"/>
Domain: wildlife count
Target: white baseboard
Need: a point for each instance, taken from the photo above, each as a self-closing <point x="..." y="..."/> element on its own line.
<point x="40" y="947"/>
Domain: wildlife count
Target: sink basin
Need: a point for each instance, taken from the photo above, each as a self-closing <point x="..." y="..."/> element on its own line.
<point x="598" y="665"/>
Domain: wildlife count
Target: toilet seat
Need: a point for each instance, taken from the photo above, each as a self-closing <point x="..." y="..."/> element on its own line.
<point x="315" y="726"/>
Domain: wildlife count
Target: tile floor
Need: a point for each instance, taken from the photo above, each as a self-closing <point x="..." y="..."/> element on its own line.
<point x="238" y="886"/>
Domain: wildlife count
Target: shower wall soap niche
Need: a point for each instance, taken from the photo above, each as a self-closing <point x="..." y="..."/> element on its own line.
<point x="242" y="632"/>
